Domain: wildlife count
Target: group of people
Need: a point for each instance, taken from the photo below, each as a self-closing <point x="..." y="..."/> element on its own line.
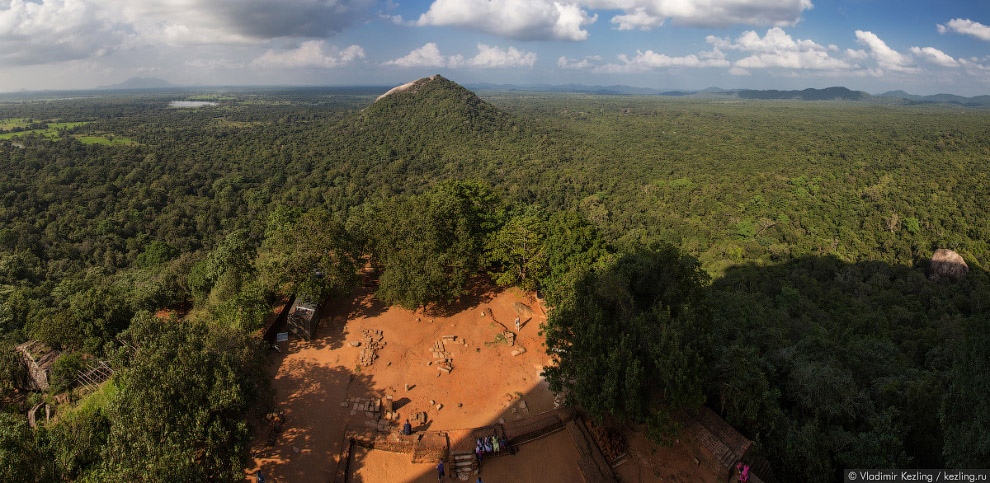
<point x="489" y="445"/>
<point x="743" y="471"/>
<point x="484" y="445"/>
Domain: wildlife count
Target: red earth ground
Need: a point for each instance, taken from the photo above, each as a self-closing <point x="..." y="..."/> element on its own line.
<point x="312" y="378"/>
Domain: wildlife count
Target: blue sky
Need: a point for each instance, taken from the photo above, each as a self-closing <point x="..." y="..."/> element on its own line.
<point x="923" y="47"/>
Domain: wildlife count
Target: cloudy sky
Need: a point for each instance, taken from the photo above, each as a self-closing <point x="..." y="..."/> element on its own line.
<point x="922" y="46"/>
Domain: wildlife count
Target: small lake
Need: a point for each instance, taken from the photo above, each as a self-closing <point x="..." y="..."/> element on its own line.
<point x="182" y="104"/>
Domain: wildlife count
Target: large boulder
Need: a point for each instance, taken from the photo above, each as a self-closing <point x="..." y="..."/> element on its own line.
<point x="947" y="265"/>
<point x="522" y="309"/>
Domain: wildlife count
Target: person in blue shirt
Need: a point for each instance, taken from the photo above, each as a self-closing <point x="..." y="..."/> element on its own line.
<point x="440" y="473"/>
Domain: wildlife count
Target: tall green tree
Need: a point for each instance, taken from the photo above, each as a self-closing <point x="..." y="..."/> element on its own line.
<point x="22" y="451"/>
<point x="571" y="247"/>
<point x="229" y="265"/>
<point x="313" y="255"/>
<point x="101" y="311"/>
<point x="429" y="245"/>
<point x="634" y="340"/>
<point x="179" y="413"/>
<point x="517" y="253"/>
<point x="13" y="372"/>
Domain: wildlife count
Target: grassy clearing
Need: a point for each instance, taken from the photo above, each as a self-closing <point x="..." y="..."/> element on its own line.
<point x="51" y="132"/>
<point x="91" y="402"/>
<point x="107" y="139"/>
<point x="12" y="135"/>
<point x="99" y="398"/>
<point x="12" y="123"/>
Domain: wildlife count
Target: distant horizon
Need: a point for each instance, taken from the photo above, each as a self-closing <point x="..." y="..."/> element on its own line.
<point x="659" y="90"/>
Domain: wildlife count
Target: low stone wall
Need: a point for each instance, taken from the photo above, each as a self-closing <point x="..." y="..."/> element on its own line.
<point x="591" y="461"/>
<point x="276" y="322"/>
<point x="38" y="358"/>
<point x="535" y="427"/>
<point x="432" y="446"/>
<point x="724" y="445"/>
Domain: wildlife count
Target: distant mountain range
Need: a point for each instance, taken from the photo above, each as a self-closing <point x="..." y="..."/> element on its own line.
<point x="977" y="101"/>
<point x="576" y="88"/>
<point x="811" y="94"/>
<point x="827" y="94"/>
<point x="139" y="83"/>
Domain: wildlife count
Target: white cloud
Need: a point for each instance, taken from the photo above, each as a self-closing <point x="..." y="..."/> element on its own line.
<point x="773" y="42"/>
<point x="425" y="56"/>
<point x="45" y="31"/>
<point x="639" y="19"/>
<point x="707" y="13"/>
<point x="935" y="56"/>
<point x="777" y="49"/>
<point x="886" y="57"/>
<point x="966" y="27"/>
<point x="739" y="71"/>
<point x="857" y="54"/>
<point x="53" y="31"/>
<point x="311" y="53"/>
<point x="183" y="22"/>
<point x="650" y="60"/>
<point x="488" y="57"/>
<point x="515" y="19"/>
<point x="574" y="64"/>
<point x="566" y="19"/>
<point x="973" y="65"/>
<point x="494" y="57"/>
<point x="386" y="14"/>
<point x="213" y="64"/>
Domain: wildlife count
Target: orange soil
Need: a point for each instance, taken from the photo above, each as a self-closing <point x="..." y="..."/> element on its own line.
<point x="653" y="463"/>
<point x="552" y="459"/>
<point x="312" y="378"/>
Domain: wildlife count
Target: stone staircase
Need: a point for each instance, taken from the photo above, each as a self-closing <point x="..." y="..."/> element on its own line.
<point x="463" y="465"/>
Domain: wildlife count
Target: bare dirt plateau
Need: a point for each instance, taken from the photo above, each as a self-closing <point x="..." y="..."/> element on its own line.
<point x="312" y="379"/>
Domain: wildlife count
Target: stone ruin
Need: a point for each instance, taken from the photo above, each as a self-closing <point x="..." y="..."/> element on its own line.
<point x="380" y="413"/>
<point x="442" y="359"/>
<point x="373" y="340"/>
<point x="38" y="358"/>
<point x="947" y="265"/>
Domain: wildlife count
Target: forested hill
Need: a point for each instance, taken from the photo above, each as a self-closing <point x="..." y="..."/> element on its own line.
<point x="433" y="104"/>
<point x="426" y="121"/>
<point x="433" y="127"/>
<point x="827" y="94"/>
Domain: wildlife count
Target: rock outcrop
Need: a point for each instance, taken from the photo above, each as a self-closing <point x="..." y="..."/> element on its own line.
<point x="522" y="309"/>
<point x="947" y="265"/>
<point x="412" y="87"/>
<point x="38" y="358"/>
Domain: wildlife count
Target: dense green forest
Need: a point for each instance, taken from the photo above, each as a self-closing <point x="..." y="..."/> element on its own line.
<point x="766" y="258"/>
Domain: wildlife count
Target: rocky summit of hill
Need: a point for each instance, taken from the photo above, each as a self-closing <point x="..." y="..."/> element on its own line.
<point x="433" y="125"/>
<point x="433" y="104"/>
